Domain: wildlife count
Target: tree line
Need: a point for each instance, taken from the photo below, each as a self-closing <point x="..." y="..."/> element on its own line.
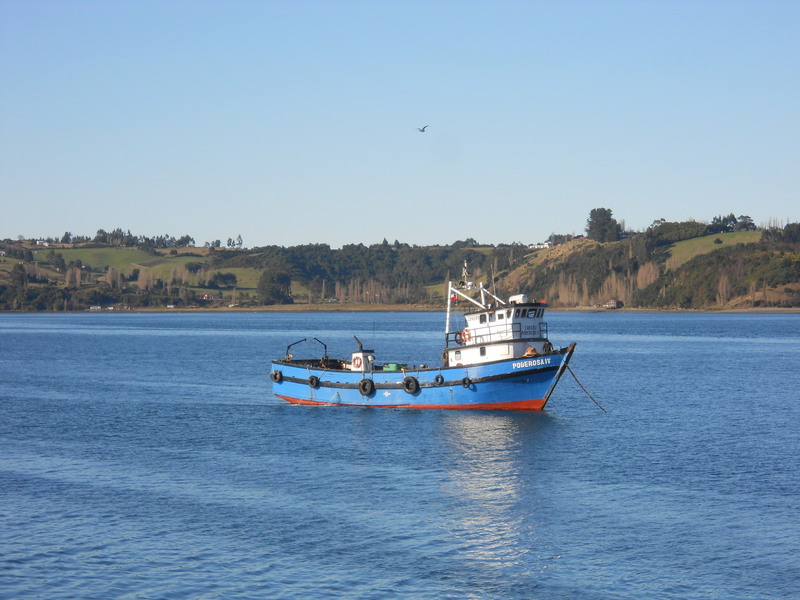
<point x="377" y="274"/>
<point x="627" y="265"/>
<point x="601" y="226"/>
<point x="118" y="237"/>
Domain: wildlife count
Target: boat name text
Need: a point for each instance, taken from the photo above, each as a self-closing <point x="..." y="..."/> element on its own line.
<point x="534" y="362"/>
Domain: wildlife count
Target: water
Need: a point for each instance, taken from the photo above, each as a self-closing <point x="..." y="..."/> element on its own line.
<point x="144" y="456"/>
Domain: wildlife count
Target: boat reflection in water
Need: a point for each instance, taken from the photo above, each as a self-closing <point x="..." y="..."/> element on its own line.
<point x="490" y="482"/>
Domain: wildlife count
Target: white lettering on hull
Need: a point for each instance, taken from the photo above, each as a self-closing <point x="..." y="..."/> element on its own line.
<point x="533" y="362"/>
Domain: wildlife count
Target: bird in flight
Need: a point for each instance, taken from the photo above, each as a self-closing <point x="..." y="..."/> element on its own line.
<point x="422" y="129"/>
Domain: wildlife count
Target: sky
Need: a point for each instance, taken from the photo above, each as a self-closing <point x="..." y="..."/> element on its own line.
<point x="295" y="122"/>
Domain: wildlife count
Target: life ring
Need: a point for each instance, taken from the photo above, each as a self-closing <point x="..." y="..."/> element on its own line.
<point x="357" y="362"/>
<point x="313" y="381"/>
<point x="438" y="380"/>
<point x="466" y="382"/>
<point x="410" y="385"/>
<point x="366" y="386"/>
<point x="466" y="335"/>
<point x="457" y="337"/>
<point x="276" y="376"/>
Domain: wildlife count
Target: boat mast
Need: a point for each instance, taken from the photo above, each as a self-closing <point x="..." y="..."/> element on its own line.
<point x="453" y="293"/>
<point x="447" y="320"/>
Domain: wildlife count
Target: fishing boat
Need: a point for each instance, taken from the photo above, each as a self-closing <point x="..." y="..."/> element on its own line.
<point x="500" y="358"/>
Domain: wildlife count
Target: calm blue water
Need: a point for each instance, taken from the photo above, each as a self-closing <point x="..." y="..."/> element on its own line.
<point x="144" y="456"/>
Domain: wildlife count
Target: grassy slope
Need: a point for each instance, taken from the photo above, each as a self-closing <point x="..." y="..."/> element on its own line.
<point x="99" y="258"/>
<point x="684" y="251"/>
<point x="128" y="259"/>
<point x="245" y="278"/>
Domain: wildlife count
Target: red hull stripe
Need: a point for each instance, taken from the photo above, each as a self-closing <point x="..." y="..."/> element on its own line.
<point x="519" y="405"/>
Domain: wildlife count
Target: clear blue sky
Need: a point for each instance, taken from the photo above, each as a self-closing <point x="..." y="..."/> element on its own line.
<point x="294" y="122"/>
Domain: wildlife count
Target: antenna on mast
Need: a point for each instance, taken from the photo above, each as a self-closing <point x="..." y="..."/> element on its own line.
<point x="465" y="282"/>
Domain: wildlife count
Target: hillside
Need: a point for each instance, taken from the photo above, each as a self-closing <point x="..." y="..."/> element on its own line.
<point x="671" y="265"/>
<point x="65" y="276"/>
<point x="746" y="269"/>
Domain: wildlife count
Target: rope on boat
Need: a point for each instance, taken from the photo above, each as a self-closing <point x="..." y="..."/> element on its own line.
<point x="584" y="389"/>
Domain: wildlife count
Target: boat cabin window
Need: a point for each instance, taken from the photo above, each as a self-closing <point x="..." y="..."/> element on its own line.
<point x="483" y="318"/>
<point x="500" y="316"/>
<point x="491" y="317"/>
<point x="508" y="313"/>
<point x="483" y="350"/>
<point x="516" y="312"/>
<point x="458" y="355"/>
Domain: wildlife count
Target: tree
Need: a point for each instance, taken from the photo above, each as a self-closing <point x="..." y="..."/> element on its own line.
<point x="275" y="287"/>
<point x="114" y="278"/>
<point x="18" y="277"/>
<point x="73" y="277"/>
<point x="722" y="224"/>
<point x="745" y="223"/>
<point x="560" y="238"/>
<point x="791" y="233"/>
<point x="222" y="280"/>
<point x="58" y="262"/>
<point x="602" y="227"/>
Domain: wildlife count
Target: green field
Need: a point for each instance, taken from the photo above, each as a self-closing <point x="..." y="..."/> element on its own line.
<point x="246" y="279"/>
<point x="684" y="251"/>
<point x="161" y="266"/>
<point x="102" y="258"/>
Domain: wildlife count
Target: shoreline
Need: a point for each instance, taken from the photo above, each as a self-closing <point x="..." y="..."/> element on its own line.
<point x="366" y="308"/>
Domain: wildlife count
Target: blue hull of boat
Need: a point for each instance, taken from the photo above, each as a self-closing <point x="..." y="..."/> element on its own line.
<point x="514" y="384"/>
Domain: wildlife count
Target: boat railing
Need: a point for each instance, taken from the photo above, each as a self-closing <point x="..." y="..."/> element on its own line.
<point x="493" y="333"/>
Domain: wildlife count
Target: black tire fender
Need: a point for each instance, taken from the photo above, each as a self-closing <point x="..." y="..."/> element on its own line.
<point x="366" y="387"/>
<point x="276" y="376"/>
<point x="410" y="384"/>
